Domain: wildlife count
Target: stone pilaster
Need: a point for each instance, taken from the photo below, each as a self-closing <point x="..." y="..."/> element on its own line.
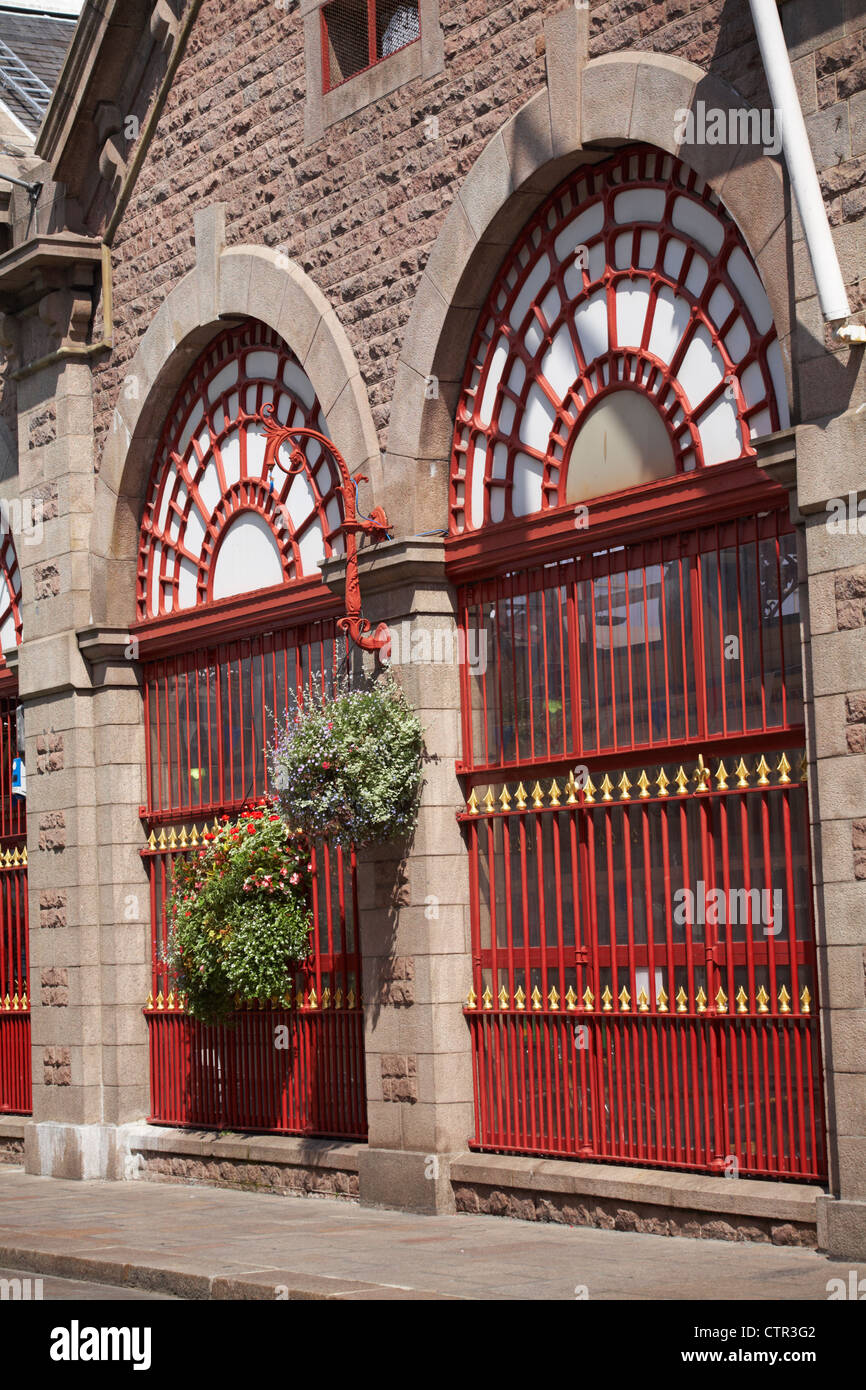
<point x="415" y="910"/>
<point x="83" y="742"/>
<point x="825" y="475"/>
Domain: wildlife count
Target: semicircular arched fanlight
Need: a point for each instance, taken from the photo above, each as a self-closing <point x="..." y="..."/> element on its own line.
<point x="10" y="596"/>
<point x="213" y="525"/>
<point x="627" y="335"/>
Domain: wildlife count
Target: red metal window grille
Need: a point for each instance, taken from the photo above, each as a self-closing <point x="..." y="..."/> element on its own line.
<point x="356" y="34"/>
<point x="15" y="984"/>
<point x="209" y="715"/>
<point x="650" y="645"/>
<point x="208" y="476"/>
<point x="631" y="278"/>
<point x="644" y="969"/>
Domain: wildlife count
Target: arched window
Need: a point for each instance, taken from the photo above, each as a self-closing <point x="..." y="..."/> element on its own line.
<point x="632" y="695"/>
<point x="15" y="983"/>
<point x="234" y="621"/>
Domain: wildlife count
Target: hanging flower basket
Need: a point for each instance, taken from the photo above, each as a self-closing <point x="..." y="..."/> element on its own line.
<point x="347" y="767"/>
<point x="239" y="915"/>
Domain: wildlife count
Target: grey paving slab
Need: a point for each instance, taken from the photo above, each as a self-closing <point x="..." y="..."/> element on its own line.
<point x="197" y="1242"/>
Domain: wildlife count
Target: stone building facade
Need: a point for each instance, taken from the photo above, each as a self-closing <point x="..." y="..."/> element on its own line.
<point x="197" y="175"/>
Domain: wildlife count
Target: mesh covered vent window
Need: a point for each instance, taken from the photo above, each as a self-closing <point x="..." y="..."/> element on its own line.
<point x="358" y="33"/>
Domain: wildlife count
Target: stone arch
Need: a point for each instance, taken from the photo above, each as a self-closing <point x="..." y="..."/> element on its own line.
<point x="227" y="283"/>
<point x="623" y="98"/>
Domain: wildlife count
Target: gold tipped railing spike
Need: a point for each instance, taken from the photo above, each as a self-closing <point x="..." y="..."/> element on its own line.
<point x="471" y="999"/>
<point x="607" y="788"/>
<point x="763" y="1000"/>
<point x="682" y="1001"/>
<point x="553" y="997"/>
<point x="505" y="798"/>
<point x="643" y="783"/>
<point x="503" y="998"/>
<point x="642" y="1001"/>
<point x="555" y="790"/>
<point x="487" y="998"/>
<point x="193" y="837"/>
<point x="24" y="855"/>
<point x="806" y="1000"/>
<point x="742" y="774"/>
<point x="15" y="1002"/>
<point x="162" y="841"/>
<point x="472" y="803"/>
<point x="489" y="800"/>
<point x="588" y="998"/>
<point x="624" y="1000"/>
<point x="702" y="775"/>
<point x="762" y="769"/>
<point x="783" y="769"/>
<point x="519" y="998"/>
<point x="624" y="787"/>
<point x="149" y="1004"/>
<point x="7" y="1002"/>
<point x="570" y="999"/>
<point x="535" y="996"/>
<point x="662" y="782"/>
<point x="172" y="838"/>
<point x="571" y="789"/>
<point x="537" y="797"/>
<point x="606" y="1000"/>
<point x="662" y="1002"/>
<point x="701" y="1001"/>
<point x="160" y="1002"/>
<point x="682" y="781"/>
<point x="804" y="775"/>
<point x="742" y="1001"/>
<point x="313" y="999"/>
<point x="338" y="998"/>
<point x="169" y="1003"/>
<point x="520" y="795"/>
<point x="326" y="997"/>
<point x="183" y="839"/>
<point x="784" y="1001"/>
<point x="721" y="1001"/>
<point x="722" y="777"/>
<point x="589" y="790"/>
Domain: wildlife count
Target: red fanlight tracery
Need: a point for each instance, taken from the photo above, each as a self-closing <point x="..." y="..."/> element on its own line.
<point x="631" y="277"/>
<point x="10" y="596"/>
<point x="213" y="524"/>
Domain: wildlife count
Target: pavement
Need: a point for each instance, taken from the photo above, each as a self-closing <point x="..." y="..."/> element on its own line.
<point x="143" y="1238"/>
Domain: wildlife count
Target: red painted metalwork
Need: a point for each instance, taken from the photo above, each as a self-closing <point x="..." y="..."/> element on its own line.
<point x="237" y="1075"/>
<point x="679" y="250"/>
<point x="612" y="1015"/>
<point x="209" y="470"/>
<point x="360" y="24"/>
<point x="375" y="525"/>
<point x="15" y="1067"/>
<point x="583" y="901"/>
<point x="217" y="673"/>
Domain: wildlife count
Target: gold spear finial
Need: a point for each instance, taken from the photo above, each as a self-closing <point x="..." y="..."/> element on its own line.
<point x="505" y="798"/>
<point x="742" y="1001"/>
<point x="607" y="788"/>
<point x="642" y="1001"/>
<point x="624" y="1000"/>
<point x="624" y="787"/>
<point x="472" y="803"/>
<point x="701" y="1001"/>
<point x="662" y="1001"/>
<point x="763" y="1000"/>
<point x="682" y="781"/>
<point x="606" y="1000"/>
<point x="554" y="793"/>
<point x="762" y="770"/>
<point x="488" y="800"/>
<point x="682" y="1001"/>
<point x="662" y="782"/>
<point x="519" y="998"/>
<point x="588" y="998"/>
<point x="783" y="769"/>
<point x="487" y="998"/>
<point x="471" y="999"/>
<point x="553" y="997"/>
<point x="503" y="998"/>
<point x="806" y="1001"/>
<point x="784" y="1001"/>
<point x="521" y="796"/>
<point x="589" y="790"/>
<point x="535" y="996"/>
<point x="537" y="797"/>
<point x="742" y="774"/>
<point x="721" y="1001"/>
<point x="570" y="999"/>
<point x="643" y="783"/>
<point x="722" y="777"/>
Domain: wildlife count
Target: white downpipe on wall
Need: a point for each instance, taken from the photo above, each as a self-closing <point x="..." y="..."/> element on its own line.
<point x="801" y="168"/>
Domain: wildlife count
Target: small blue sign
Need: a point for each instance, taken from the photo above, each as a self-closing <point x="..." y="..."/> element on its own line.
<point x="19" y="777"/>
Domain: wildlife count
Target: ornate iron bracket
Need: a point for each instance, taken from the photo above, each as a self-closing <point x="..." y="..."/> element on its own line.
<point x="375" y="525"/>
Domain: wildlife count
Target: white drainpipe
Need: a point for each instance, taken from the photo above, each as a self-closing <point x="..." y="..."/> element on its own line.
<point x="801" y="170"/>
